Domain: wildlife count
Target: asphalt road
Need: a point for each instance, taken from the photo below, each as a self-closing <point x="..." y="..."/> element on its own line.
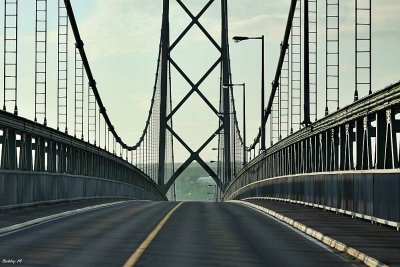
<point x="196" y="234"/>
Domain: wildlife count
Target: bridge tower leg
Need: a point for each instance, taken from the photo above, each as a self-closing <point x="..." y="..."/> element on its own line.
<point x="164" y="91"/>
<point x="223" y="114"/>
<point x="225" y="88"/>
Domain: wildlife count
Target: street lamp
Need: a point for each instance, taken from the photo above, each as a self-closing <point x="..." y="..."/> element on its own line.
<point x="238" y="39"/>
<point x="244" y="119"/>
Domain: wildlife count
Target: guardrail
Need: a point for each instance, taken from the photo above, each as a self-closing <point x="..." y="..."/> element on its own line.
<point x="371" y="195"/>
<point x="29" y="148"/>
<point x="361" y="136"/>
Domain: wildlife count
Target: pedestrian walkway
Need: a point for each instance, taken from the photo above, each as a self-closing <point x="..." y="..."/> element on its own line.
<point x="15" y="216"/>
<point x="379" y="242"/>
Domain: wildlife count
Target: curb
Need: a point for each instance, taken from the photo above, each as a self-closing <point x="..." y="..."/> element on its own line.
<point x="16" y="227"/>
<point x="369" y="261"/>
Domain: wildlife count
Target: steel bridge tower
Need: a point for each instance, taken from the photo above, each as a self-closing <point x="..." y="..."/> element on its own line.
<point x="222" y="113"/>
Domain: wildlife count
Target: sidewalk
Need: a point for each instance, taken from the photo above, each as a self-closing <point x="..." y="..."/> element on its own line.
<point x="379" y="242"/>
<point x="15" y="216"/>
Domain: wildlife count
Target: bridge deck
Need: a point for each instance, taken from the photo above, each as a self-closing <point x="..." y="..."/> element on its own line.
<point x="380" y="242"/>
<point x="197" y="234"/>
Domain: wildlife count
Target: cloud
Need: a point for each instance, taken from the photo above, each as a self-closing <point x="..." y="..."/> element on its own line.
<point x="383" y="16"/>
<point x="122" y="28"/>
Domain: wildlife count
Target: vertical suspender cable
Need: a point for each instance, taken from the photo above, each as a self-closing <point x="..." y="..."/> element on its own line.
<point x="62" y="79"/>
<point x="41" y="61"/>
<point x="332" y="55"/>
<point x="10" y="54"/>
<point x="296" y="69"/>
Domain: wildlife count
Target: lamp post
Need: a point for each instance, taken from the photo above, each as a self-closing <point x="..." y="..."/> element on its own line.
<point x="244" y="119"/>
<point x="243" y="38"/>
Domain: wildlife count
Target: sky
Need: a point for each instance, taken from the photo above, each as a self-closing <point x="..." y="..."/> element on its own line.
<point x="121" y="40"/>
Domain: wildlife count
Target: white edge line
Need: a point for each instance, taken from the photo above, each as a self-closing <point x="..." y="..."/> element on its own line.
<point x="369" y="261"/>
<point x="28" y="224"/>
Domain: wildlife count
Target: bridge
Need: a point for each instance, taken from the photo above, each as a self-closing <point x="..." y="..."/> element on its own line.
<point x="84" y="181"/>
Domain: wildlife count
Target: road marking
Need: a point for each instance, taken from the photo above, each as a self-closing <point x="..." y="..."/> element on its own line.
<point x="139" y="251"/>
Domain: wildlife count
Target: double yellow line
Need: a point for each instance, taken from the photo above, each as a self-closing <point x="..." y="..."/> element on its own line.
<point x="139" y="251"/>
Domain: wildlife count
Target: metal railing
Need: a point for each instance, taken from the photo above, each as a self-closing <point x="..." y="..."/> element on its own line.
<point x="361" y="136"/>
<point x="30" y="147"/>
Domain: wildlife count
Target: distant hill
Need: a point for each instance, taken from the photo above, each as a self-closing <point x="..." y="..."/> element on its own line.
<point x="190" y="187"/>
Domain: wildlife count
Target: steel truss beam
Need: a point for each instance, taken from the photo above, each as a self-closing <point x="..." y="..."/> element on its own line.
<point x="195" y="20"/>
<point x="194" y="156"/>
<point x="165" y="118"/>
<point x="195" y="87"/>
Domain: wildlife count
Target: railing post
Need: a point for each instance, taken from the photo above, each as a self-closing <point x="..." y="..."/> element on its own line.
<point x="380" y="140"/>
<point x="391" y="154"/>
<point x="349" y="162"/>
<point x="71" y="160"/>
<point x="315" y="150"/>
<point x="302" y="156"/>
<point x="321" y="152"/>
<point x="77" y="161"/>
<point x="328" y="151"/>
<point x="84" y="163"/>
<point x="51" y="156"/>
<point x="9" y="150"/>
<point x="334" y="149"/>
<point x="309" y="149"/>
<point x="342" y="146"/>
<point x="366" y="144"/>
<point x="25" y="155"/>
<point x="61" y="158"/>
<point x="359" y="142"/>
<point x="39" y="154"/>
